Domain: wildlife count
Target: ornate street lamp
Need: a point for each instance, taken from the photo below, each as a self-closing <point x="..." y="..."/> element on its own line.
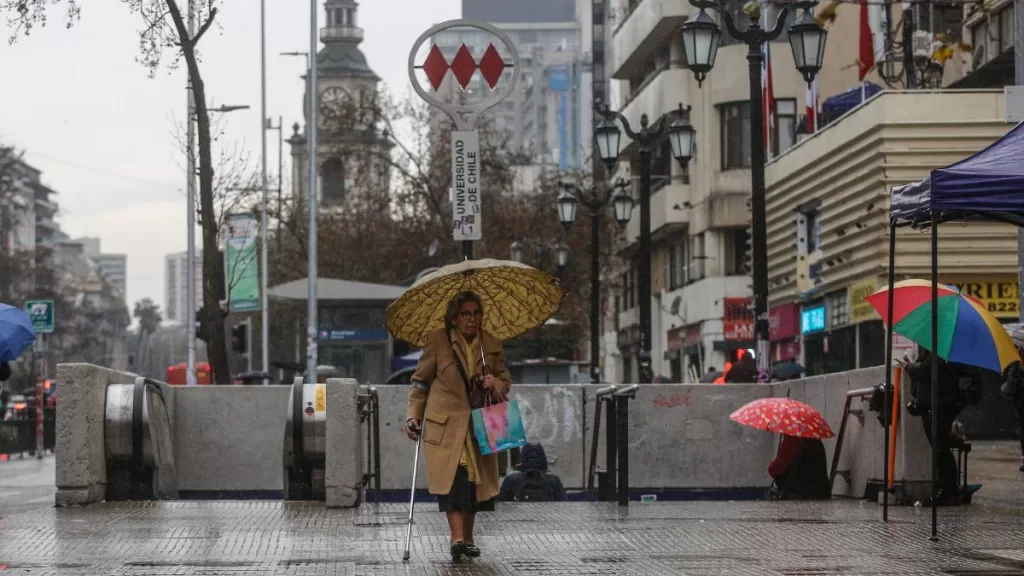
<point x="622" y="205"/>
<point x="561" y="255"/>
<point x="515" y="251"/>
<point x="681" y="136"/>
<point x="647" y="137"/>
<point x="568" y="206"/>
<point x="608" y="135"/>
<point x="700" y="43"/>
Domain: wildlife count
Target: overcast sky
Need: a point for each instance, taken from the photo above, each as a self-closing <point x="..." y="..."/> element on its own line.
<point x="87" y="114"/>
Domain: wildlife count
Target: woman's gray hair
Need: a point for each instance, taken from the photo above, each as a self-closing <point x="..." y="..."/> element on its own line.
<point x="455" y="305"/>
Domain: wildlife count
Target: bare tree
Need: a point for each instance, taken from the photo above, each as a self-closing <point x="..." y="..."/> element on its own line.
<point x="163" y="27"/>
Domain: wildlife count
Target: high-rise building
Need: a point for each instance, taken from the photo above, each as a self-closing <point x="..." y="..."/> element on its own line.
<point x="176" y="283"/>
<point x="113" y="268"/>
<point x="547" y="117"/>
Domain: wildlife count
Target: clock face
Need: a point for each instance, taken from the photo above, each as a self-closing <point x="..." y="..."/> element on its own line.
<point x="332" y="101"/>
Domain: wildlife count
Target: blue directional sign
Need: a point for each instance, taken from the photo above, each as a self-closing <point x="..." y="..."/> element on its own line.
<point x="42" y="314"/>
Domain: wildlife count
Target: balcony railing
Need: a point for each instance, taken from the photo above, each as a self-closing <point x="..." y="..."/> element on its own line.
<point x="341" y="33"/>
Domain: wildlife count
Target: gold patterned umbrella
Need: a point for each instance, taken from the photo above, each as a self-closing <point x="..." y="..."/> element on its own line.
<point x="515" y="297"/>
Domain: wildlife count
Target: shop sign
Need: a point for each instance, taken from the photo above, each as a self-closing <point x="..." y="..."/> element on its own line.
<point x="812" y="319"/>
<point x="786" y="351"/>
<point x="784" y="322"/>
<point x="738" y="319"/>
<point x="999" y="296"/>
<point x="693" y="335"/>
<point x="675" y="339"/>
<point x="860" y="310"/>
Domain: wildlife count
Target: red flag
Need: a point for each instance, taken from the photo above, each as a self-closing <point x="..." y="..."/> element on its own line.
<point x="866" y="59"/>
<point x="767" y="95"/>
<point x="811" y="104"/>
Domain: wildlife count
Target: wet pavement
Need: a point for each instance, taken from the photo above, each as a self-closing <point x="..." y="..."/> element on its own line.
<point x="650" y="539"/>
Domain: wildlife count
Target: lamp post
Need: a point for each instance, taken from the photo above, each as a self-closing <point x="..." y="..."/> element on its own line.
<point x="595" y="202"/>
<point x="560" y="249"/>
<point x="701" y="37"/>
<point x="681" y="137"/>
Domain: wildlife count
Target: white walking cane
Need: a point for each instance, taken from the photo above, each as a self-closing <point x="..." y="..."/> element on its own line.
<point x="412" y="495"/>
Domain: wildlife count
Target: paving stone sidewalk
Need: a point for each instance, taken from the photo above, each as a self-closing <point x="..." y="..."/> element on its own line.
<point x="687" y="538"/>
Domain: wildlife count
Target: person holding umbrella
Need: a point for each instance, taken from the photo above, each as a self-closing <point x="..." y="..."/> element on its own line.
<point x="16" y="335"/>
<point x="463" y="368"/>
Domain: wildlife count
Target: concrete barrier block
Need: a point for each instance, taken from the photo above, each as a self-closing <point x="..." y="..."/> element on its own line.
<point x="553" y="416"/>
<point x="343" y="473"/>
<point x="81" y="471"/>
<point x="397" y="450"/>
<point x="228" y="438"/>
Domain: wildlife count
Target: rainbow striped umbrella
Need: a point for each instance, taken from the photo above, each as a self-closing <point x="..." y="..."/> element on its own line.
<point x="968" y="333"/>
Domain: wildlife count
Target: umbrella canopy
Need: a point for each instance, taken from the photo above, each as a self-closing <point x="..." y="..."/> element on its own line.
<point x="783" y="416"/>
<point x="787" y="370"/>
<point x="16" y="332"/>
<point x="968" y="333"/>
<point x="516" y="298"/>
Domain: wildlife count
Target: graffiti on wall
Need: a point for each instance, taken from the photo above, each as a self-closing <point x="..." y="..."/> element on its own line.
<point x="551" y="417"/>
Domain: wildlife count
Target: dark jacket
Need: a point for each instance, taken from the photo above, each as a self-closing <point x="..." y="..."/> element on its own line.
<point x="5" y="371"/>
<point x="800" y="470"/>
<point x="950" y="395"/>
<point x="744" y="371"/>
<point x="533" y="457"/>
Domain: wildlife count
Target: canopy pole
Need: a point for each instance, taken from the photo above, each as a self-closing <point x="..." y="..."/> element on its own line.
<point x="888" y="367"/>
<point x="935" y="377"/>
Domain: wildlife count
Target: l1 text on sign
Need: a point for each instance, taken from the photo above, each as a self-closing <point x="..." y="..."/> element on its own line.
<point x="466" y="214"/>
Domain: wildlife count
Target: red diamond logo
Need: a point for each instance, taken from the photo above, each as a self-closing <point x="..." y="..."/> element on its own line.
<point x="435" y="66"/>
<point x="463" y="66"/>
<point x="491" y="66"/>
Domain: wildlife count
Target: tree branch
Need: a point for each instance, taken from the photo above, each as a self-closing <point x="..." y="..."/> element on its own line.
<point x="206" y="26"/>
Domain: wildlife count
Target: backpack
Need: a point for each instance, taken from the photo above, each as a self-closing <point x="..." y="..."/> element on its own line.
<point x="535" y="488"/>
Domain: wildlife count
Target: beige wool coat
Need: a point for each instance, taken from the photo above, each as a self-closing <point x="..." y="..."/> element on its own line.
<point x="438" y="400"/>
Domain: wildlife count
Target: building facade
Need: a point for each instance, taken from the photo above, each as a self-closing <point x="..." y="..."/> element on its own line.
<point x="828" y="231"/>
<point x="112" y="267"/>
<point x="176" y="283"/>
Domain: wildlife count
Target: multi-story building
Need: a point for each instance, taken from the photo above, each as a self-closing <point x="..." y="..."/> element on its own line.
<point x="176" y="285"/>
<point x="17" y="210"/>
<point x="113" y="268"/>
<point x="828" y="226"/>
<point x="47" y="230"/>
<point x="547" y="117"/>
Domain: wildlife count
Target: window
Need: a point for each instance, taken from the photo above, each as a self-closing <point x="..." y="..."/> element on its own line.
<point x="738" y="246"/>
<point x="629" y="289"/>
<point x="677" y="265"/>
<point x="333" y="182"/>
<point x="735" y="135"/>
<point x="813" y="231"/>
<point x="785" y="125"/>
<point x="697" y="258"/>
<point x="838" y="309"/>
<point x="618" y="308"/>
<point x="948" y="17"/>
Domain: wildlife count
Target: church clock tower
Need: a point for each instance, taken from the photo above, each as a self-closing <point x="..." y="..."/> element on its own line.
<point x="346" y="101"/>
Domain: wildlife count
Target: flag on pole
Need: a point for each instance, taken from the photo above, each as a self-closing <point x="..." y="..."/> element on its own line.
<point x="866" y="48"/>
<point x="811" y="103"/>
<point x="767" y="96"/>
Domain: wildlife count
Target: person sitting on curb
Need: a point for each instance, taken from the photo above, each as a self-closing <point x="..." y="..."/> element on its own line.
<point x="800" y="470"/>
<point x="533" y="482"/>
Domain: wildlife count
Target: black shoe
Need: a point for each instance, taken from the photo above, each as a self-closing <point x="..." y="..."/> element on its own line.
<point x="472" y="551"/>
<point x="458" y="550"/>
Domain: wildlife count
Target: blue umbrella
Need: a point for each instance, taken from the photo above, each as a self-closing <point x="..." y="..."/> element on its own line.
<point x="16" y="332"/>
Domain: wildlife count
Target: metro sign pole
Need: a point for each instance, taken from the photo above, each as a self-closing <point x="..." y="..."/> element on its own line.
<point x="466" y="192"/>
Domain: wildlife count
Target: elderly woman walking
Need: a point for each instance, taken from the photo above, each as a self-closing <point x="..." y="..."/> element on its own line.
<point x="462" y="368"/>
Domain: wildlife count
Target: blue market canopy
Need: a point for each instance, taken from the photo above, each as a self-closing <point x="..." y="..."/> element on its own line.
<point x="835" y="106"/>
<point x="988" y="184"/>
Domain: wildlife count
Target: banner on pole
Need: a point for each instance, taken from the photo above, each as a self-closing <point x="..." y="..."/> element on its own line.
<point x="466" y="214"/>
<point x="242" y="269"/>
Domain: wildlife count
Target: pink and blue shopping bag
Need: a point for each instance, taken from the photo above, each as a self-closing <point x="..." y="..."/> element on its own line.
<point x="498" y="427"/>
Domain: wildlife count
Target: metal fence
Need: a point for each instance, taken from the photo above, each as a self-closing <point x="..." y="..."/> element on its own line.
<point x="19" y="436"/>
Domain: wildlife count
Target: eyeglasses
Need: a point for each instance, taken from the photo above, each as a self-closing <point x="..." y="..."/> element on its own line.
<point x="469" y="315"/>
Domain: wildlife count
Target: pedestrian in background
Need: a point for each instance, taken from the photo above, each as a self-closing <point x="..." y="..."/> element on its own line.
<point x="462" y="368"/>
<point x="1013" y="390"/>
<point x="532" y="482"/>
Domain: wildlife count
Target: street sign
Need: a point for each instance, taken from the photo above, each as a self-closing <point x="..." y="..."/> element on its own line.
<point x="466" y="214"/>
<point x="42" y="314"/>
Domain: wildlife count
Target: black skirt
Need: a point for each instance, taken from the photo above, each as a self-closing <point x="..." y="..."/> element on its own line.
<point x="462" y="496"/>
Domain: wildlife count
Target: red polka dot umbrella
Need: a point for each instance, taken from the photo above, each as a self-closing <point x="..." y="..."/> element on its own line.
<point x="783" y="416"/>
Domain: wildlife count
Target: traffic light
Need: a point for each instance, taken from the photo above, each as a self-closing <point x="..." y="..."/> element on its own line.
<point x="201" y="332"/>
<point x="238" y="334"/>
